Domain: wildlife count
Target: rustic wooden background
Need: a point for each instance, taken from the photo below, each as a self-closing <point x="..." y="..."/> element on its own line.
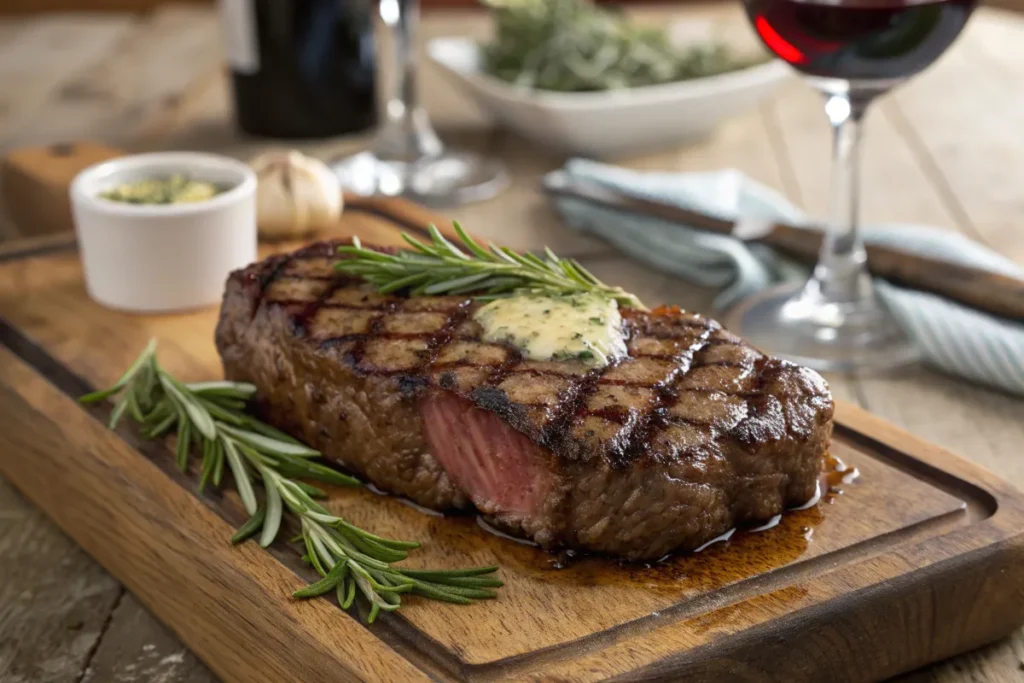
<point x="33" y="6"/>
<point x="944" y="150"/>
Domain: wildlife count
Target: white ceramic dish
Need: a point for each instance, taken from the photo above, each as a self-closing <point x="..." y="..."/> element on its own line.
<point x="168" y="257"/>
<point x="603" y="124"/>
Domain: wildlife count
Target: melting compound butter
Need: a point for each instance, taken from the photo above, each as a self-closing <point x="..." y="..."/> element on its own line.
<point x="583" y="327"/>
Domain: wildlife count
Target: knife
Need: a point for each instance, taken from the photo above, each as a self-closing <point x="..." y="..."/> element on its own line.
<point x="1000" y="295"/>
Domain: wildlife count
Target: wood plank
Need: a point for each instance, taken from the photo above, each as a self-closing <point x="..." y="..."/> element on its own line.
<point x="888" y="162"/>
<point x="1001" y="662"/>
<point x="137" y="648"/>
<point x="121" y="6"/>
<point x="135" y="90"/>
<point x="35" y="184"/>
<point x="36" y="56"/>
<point x="54" y="598"/>
<point x="973" y="164"/>
<point x="37" y="61"/>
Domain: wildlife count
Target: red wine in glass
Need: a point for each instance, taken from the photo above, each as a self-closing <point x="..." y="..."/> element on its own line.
<point x="859" y="40"/>
<point x="851" y="51"/>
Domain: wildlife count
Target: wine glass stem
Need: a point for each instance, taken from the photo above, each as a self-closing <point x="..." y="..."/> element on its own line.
<point x="406" y="134"/>
<point x="841" y="273"/>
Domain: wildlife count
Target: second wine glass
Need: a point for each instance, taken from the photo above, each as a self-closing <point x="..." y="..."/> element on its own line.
<point x="407" y="157"/>
<point x="851" y="51"/>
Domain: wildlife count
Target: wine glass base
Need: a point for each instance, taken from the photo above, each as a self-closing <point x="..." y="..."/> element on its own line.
<point x="794" y="322"/>
<point x="448" y="179"/>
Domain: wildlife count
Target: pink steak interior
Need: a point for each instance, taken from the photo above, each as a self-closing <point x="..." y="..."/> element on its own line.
<point x="500" y="469"/>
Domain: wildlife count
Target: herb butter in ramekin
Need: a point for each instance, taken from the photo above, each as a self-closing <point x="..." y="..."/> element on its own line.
<point x="167" y="256"/>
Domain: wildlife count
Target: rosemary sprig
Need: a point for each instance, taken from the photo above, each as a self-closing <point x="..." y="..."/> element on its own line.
<point x="210" y="416"/>
<point x="441" y="267"/>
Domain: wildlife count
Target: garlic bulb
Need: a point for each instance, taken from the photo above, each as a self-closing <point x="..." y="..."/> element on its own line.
<point x="296" y="195"/>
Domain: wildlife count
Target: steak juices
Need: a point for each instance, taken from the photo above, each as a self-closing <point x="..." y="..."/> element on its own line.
<point x="692" y="432"/>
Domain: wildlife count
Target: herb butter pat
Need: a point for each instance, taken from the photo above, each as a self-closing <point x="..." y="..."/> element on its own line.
<point x="584" y="327"/>
<point x="178" y="189"/>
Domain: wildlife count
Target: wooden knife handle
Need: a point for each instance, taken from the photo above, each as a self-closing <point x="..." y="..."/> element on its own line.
<point x="980" y="289"/>
<point x="989" y="292"/>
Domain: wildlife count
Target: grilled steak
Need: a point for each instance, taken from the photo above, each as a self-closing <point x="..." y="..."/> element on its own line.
<point x="693" y="433"/>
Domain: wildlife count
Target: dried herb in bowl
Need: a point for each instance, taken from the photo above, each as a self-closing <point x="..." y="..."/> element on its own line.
<point x="574" y="46"/>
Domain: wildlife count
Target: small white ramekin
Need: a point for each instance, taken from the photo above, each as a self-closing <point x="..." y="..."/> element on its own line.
<point x="166" y="257"/>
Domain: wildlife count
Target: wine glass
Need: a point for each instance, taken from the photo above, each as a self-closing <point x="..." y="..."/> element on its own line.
<point x="407" y="157"/>
<point x="851" y="51"/>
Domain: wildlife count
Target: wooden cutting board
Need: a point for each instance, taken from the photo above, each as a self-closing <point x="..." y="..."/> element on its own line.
<point x="919" y="558"/>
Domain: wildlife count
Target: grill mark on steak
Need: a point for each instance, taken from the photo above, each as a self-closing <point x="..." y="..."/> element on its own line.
<point x="667" y="395"/>
<point x="358" y="352"/>
<point x="514" y="358"/>
<point x="575" y="408"/>
<point x="300" y="320"/>
<point x="446" y="333"/>
<point x="271" y="268"/>
<point x="692" y="433"/>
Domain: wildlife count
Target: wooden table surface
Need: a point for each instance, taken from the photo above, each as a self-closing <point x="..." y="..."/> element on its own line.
<point x="945" y="150"/>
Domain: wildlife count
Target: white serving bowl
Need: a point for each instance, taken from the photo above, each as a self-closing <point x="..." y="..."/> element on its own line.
<point x="603" y="124"/>
<point x="165" y="257"/>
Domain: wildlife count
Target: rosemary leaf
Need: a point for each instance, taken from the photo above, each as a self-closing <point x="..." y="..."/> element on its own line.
<point x="311" y="552"/>
<point x="242" y="482"/>
<point x="207" y="468"/>
<point x="120" y="384"/>
<point x="473" y="582"/>
<point x="232" y="404"/>
<point x="275" y="509"/>
<point x="266" y="444"/>
<point x="242" y="390"/>
<point x="311" y="491"/>
<point x="184" y="440"/>
<point x="221" y="413"/>
<point x="436" y="593"/>
<point x="161" y="428"/>
<point x="327" y="583"/>
<point x="134" y="404"/>
<point x="350" y="593"/>
<point x="218" y="463"/>
<point x="397" y="545"/>
<point x="470" y="243"/>
<point x="118" y="411"/>
<point x="196" y="412"/>
<point x="302" y="467"/>
<point x="374" y="549"/>
<point x="266" y="430"/>
<point x="248" y="529"/>
<point x="477" y="593"/>
<point x="442" y="575"/>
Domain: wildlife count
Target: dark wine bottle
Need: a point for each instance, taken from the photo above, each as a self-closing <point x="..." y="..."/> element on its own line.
<point x="301" y="68"/>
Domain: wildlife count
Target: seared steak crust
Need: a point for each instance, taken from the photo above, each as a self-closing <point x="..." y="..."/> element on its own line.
<point x="693" y="433"/>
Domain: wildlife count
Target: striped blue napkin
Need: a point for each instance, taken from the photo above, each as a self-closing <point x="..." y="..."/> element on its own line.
<point x="953" y="338"/>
